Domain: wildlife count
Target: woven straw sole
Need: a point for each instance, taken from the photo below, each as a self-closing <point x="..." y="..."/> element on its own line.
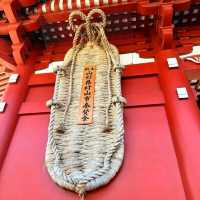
<point x="85" y="157"/>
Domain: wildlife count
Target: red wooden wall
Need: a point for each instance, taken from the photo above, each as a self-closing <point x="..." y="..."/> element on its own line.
<point x="162" y="138"/>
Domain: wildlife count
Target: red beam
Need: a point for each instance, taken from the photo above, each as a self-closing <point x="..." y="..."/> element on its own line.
<point x="26" y="3"/>
<point x="5" y="56"/>
<point x="33" y="24"/>
<point x="142" y="7"/>
<point x="182" y="5"/>
<point x="10" y="9"/>
<point x="51" y="17"/>
<point x="1" y="6"/>
<point x="7" y="62"/>
<point x="137" y="70"/>
<point x="28" y="25"/>
<point x="193" y="74"/>
<point x="146" y="8"/>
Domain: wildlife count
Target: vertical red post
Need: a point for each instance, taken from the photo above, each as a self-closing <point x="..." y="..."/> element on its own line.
<point x="20" y="43"/>
<point x="9" y="7"/>
<point x="13" y="97"/>
<point x="184" y="120"/>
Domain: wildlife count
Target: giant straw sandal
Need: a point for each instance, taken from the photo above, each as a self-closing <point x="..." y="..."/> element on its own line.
<point x="85" y="146"/>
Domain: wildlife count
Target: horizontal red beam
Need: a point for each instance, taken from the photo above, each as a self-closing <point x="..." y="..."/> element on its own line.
<point x="143" y="69"/>
<point x="192" y="74"/>
<point x="7" y="62"/>
<point x="189" y="65"/>
<point x="28" y="25"/>
<point x="141" y="7"/>
<point x="51" y="17"/>
<point x="26" y="3"/>
<point x="146" y="8"/>
<point x="42" y="79"/>
<point x="28" y="108"/>
<point x="1" y="6"/>
<point x="22" y="3"/>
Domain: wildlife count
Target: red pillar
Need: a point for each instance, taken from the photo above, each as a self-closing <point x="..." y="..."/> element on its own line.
<point x="9" y="7"/>
<point x="184" y="120"/>
<point x="14" y="96"/>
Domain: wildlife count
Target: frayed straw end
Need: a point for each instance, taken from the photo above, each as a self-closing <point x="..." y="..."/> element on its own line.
<point x="82" y="196"/>
<point x="61" y="128"/>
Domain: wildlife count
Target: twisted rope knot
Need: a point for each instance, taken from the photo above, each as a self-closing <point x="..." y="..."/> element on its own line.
<point x="58" y="68"/>
<point x="80" y="188"/>
<point x="118" y="99"/>
<point x="71" y="18"/>
<point x="118" y="66"/>
<point x="53" y="102"/>
<point x="61" y="127"/>
<point x="89" y="26"/>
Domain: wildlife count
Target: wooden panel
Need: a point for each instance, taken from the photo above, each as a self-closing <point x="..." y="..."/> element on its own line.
<point x="42" y="79"/>
<point x="142" y="91"/>
<point x="140" y="70"/>
<point x="149" y="165"/>
<point x="33" y="108"/>
<point x="39" y="93"/>
<point x="150" y="162"/>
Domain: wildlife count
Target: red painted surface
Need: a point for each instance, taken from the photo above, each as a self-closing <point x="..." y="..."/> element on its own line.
<point x="6" y="60"/>
<point x="17" y="25"/>
<point x="162" y="133"/>
<point x="162" y="141"/>
<point x="14" y="96"/>
<point x="184" y="122"/>
<point x="142" y="91"/>
<point x="150" y="162"/>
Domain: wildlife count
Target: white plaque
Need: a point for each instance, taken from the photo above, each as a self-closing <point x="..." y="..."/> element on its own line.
<point x="13" y="78"/>
<point x="172" y="62"/>
<point x="2" y="106"/>
<point x="182" y="93"/>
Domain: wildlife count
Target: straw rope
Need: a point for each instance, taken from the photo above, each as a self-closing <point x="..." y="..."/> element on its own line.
<point x="84" y="157"/>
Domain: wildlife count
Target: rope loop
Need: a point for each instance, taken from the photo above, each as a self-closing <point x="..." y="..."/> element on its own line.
<point x="53" y="102"/>
<point x="90" y="25"/>
<point x="61" y="127"/>
<point x="119" y="67"/>
<point x="79" y="34"/>
<point x="119" y="99"/>
<point x="96" y="11"/>
<point x="57" y="68"/>
<point x="72" y="19"/>
<point x="91" y="28"/>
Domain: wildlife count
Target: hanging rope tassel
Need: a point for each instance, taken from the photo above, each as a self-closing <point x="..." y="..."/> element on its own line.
<point x="82" y="196"/>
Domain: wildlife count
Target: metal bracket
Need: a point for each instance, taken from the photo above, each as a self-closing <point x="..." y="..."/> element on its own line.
<point x="2" y="106"/>
<point x="172" y="63"/>
<point x="182" y="93"/>
<point x="13" y="78"/>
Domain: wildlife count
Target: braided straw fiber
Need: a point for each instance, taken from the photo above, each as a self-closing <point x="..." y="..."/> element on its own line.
<point x="84" y="157"/>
